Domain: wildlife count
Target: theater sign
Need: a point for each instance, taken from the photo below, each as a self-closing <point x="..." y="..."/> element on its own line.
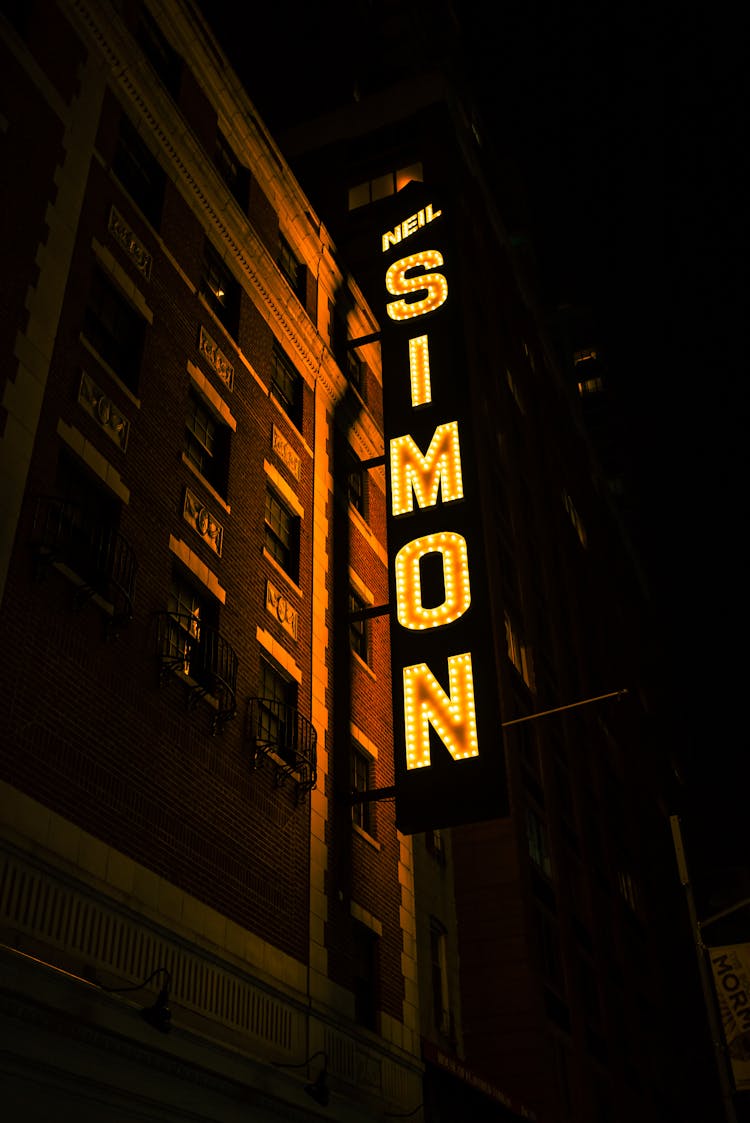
<point x="447" y="731"/>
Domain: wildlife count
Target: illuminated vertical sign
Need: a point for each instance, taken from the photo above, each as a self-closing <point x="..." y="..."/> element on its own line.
<point x="447" y="727"/>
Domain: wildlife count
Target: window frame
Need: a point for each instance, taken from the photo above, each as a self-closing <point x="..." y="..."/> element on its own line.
<point x="287" y="386"/>
<point x="138" y="171"/>
<point x="212" y="464"/>
<point x="286" y="553"/>
<point x="361" y="772"/>
<point x="359" y="631"/>
<point x="118" y="339"/>
<point x="217" y="282"/>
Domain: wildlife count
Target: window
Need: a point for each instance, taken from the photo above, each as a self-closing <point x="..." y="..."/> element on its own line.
<point x="282" y="534"/>
<point x="192" y="612"/>
<point x="536" y="836"/>
<point x="139" y="172"/>
<point x="356" y="488"/>
<point x="278" y="711"/>
<point x="114" y="329"/>
<point x="292" y="268"/>
<point x="159" y="51"/>
<point x="361" y="770"/>
<point x="358" y="627"/>
<point x="355" y="370"/>
<point x="365" y="955"/>
<point x="286" y="384"/>
<point x="207" y="442"/>
<point x="518" y="653"/>
<point x="435" y="844"/>
<point x="548" y="947"/>
<point x="383" y="186"/>
<point x="234" y="174"/>
<point x="439" y="976"/>
<point x="220" y="289"/>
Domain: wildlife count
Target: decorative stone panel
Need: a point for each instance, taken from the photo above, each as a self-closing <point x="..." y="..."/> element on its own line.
<point x="216" y="358"/>
<point x="285" y="452"/>
<point x="104" y="412"/>
<point x="127" y="240"/>
<point x="280" y="608"/>
<point x="198" y="516"/>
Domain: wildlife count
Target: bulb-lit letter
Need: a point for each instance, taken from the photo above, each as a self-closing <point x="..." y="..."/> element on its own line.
<point x="452" y="716"/>
<point x="419" y="371"/>
<point x="423" y="476"/>
<point x="409" y="608"/>
<point x="398" y="284"/>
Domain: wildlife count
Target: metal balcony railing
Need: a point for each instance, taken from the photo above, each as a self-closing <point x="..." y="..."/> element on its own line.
<point x="93" y="553"/>
<point x="202" y="658"/>
<point x="273" y="727"/>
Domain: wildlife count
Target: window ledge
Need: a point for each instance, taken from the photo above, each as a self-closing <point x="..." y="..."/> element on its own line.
<point x="109" y="370"/>
<point x="209" y="487"/>
<point x="373" y="842"/>
<point x="365" y="666"/>
<point x="270" y="558"/>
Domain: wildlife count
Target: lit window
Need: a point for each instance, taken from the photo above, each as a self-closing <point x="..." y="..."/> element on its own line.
<point x="439" y="975"/>
<point x="383" y="186"/>
<point x="590" y="386"/>
<point x="361" y="771"/>
<point x="114" y="329"/>
<point x="282" y="534"/>
<point x="220" y="289"/>
<point x="207" y="442"/>
<point x="286" y="385"/>
<point x="192" y="611"/>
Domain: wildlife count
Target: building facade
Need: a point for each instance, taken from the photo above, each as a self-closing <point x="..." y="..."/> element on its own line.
<point x="200" y="835"/>
<point x="187" y="704"/>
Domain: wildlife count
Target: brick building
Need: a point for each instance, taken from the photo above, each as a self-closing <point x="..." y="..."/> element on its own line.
<point x="183" y="542"/>
<point x="196" y="667"/>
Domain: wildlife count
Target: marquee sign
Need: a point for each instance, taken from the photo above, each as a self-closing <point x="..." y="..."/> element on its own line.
<point x="447" y="731"/>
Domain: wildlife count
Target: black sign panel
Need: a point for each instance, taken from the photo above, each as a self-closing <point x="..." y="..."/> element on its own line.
<point x="446" y="720"/>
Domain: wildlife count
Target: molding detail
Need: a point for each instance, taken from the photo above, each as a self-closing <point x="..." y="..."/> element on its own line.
<point x="285" y="452"/>
<point x="279" y="607"/>
<point x="104" y="412"/>
<point x="216" y="358"/>
<point x="202" y="521"/>
<point x="134" y="248"/>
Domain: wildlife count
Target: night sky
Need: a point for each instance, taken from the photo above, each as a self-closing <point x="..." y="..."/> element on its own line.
<point x="629" y="131"/>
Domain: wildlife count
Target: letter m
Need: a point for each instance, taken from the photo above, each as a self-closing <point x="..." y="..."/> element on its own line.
<point x="413" y="474"/>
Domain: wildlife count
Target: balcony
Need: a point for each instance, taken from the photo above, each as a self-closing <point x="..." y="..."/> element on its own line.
<point x="279" y="732"/>
<point x="202" y="659"/>
<point x="90" y="552"/>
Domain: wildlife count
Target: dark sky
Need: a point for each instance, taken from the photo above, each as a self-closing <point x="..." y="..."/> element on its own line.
<point x="630" y="132"/>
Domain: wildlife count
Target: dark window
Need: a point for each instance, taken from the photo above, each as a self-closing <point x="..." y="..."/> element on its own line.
<point x="220" y="288"/>
<point x="356" y="482"/>
<point x="139" y="172"/>
<point x="234" y="174"/>
<point x="358" y="627"/>
<point x="207" y="442"/>
<point x="282" y="534"/>
<point x="361" y="769"/>
<point x="114" y="329"/>
<point x="355" y="370"/>
<point x="365" y="948"/>
<point x="278" y="708"/>
<point x="439" y="975"/>
<point x="292" y="268"/>
<point x="159" y="51"/>
<point x="286" y="384"/>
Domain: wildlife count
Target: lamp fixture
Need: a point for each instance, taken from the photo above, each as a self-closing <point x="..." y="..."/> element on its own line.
<point x="318" y="1090"/>
<point x="158" y="1013"/>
